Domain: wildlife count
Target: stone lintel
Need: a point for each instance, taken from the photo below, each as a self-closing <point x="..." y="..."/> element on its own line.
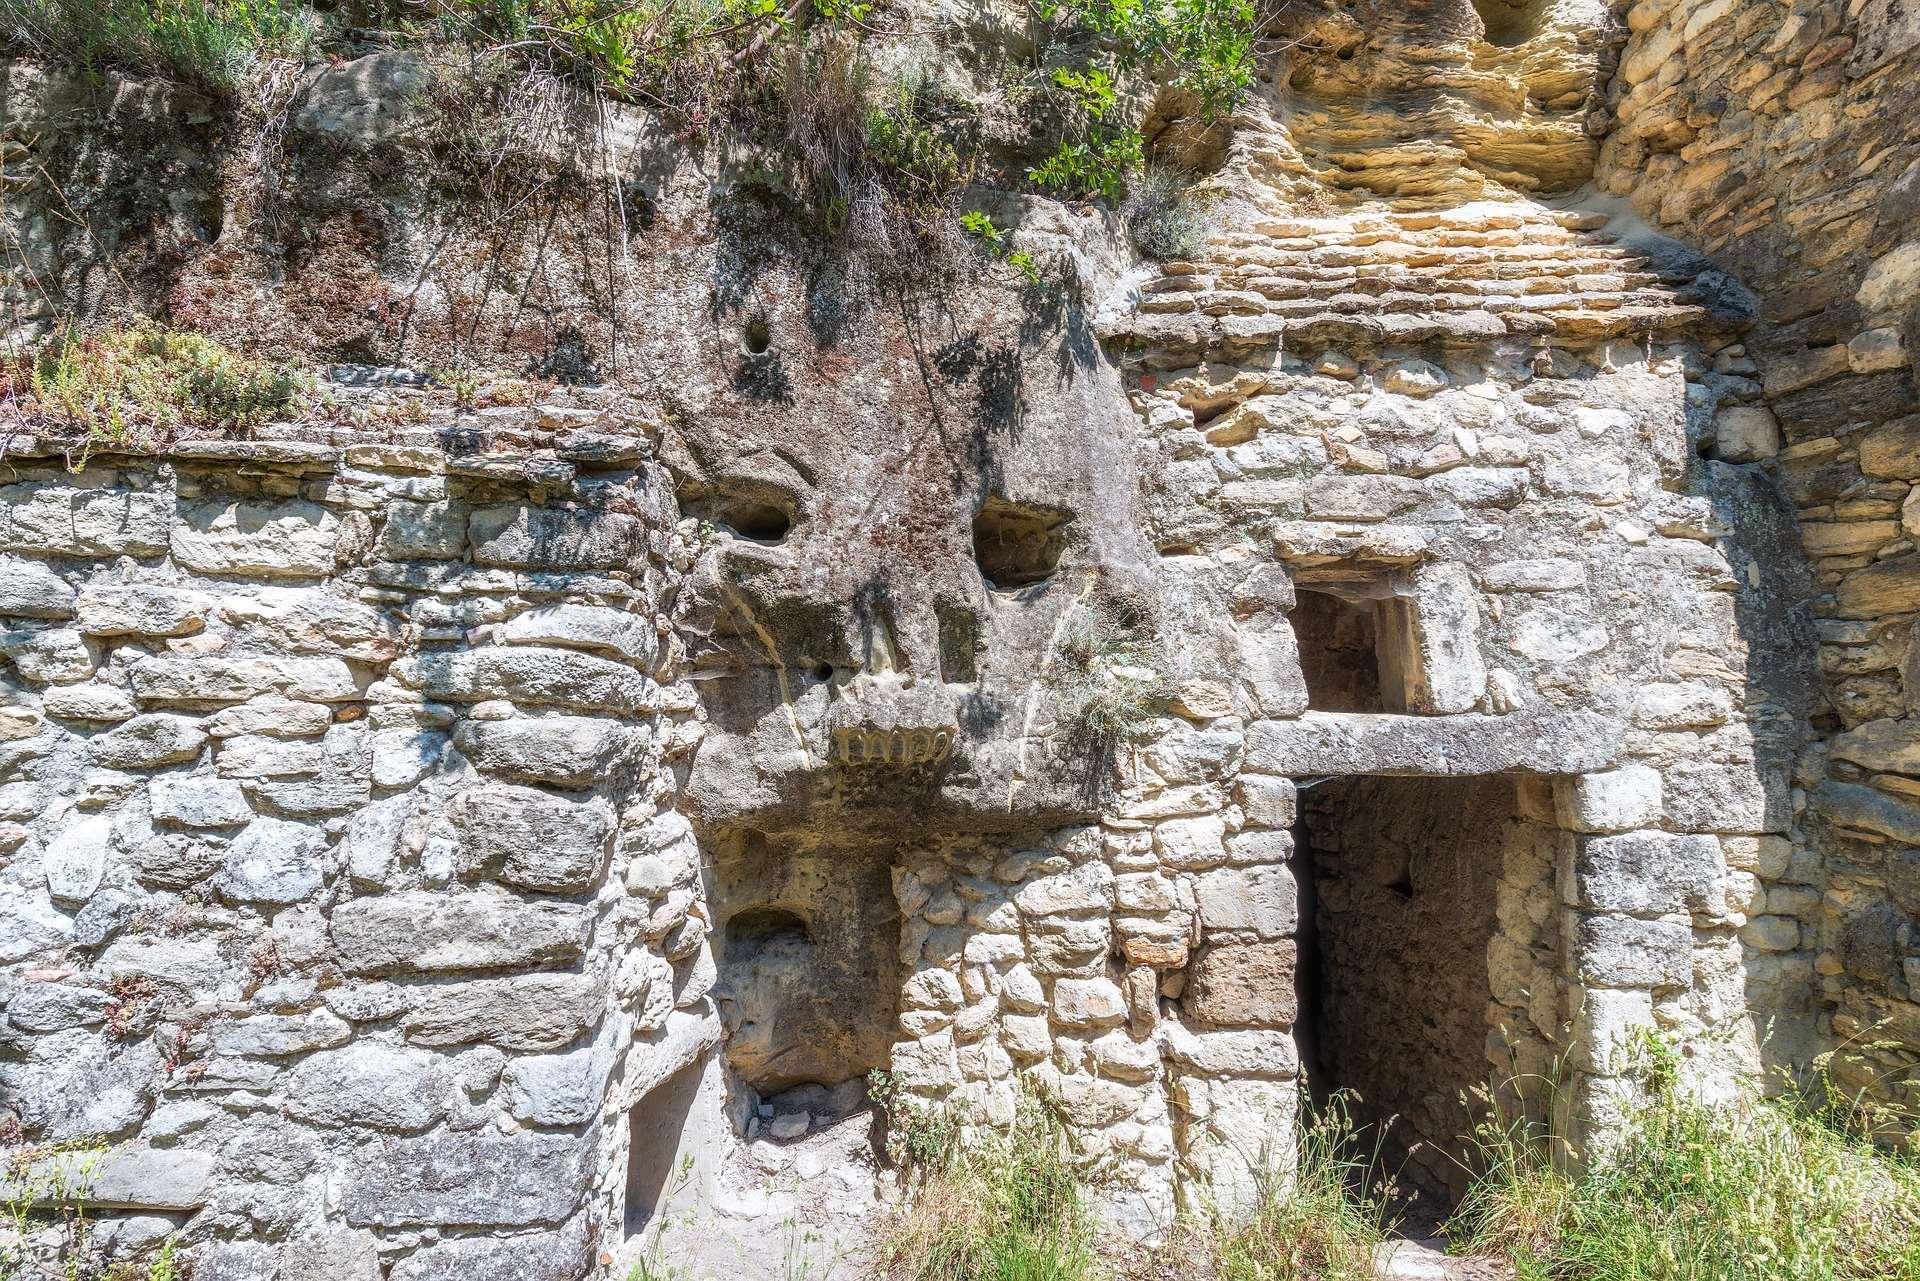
<point x="1358" y="743"/>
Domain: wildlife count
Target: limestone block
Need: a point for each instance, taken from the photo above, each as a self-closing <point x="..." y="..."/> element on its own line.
<point x="932" y="990"/>
<point x="1270" y="665"/>
<point x="1605" y="1023"/>
<point x="138" y="609"/>
<point x="272" y="716"/>
<point x="1665" y="705"/>
<point x="455" y="1179"/>
<point x="1121" y="1056"/>
<point x="423" y="531"/>
<point x="305" y="621"/>
<point x="92" y="703"/>
<point x="55" y="1006"/>
<point x="1882" y="746"/>
<point x="1191" y="843"/>
<point x="1889" y="586"/>
<point x="564" y="678"/>
<point x="1243" y="984"/>
<point x="1262" y="900"/>
<point x="55" y="655"/>
<point x="558" y="1089"/>
<point x="148" y="742"/>
<point x="627" y="636"/>
<point x="1246" y="849"/>
<point x="277" y="1034"/>
<point x="402" y="757"/>
<point x="1026" y="1036"/>
<point x="76" y="858"/>
<point x="1552" y="575"/>
<point x="565" y="751"/>
<point x="274" y="861"/>
<point x="1362" y="498"/>
<point x="523" y="537"/>
<point x="1867" y="809"/>
<point x="1418" y="378"/>
<point x="562" y="1255"/>
<point x="533" y="839"/>
<point x="526" y="1012"/>
<point x="1610" y="801"/>
<point x="173" y="1179"/>
<point x="423" y="932"/>
<point x="30" y="925"/>
<point x="1235" y="1052"/>
<point x="29" y="589"/>
<point x="1347" y="743"/>
<point x="1265" y="801"/>
<point x="291" y="539"/>
<point x="1088" y="1002"/>
<point x="1021" y="991"/>
<point x="215" y="678"/>
<point x="1647" y="872"/>
<point x="927" y="1065"/>
<point x="1144" y="892"/>
<point x="1702" y="796"/>
<point x="1623" y="951"/>
<point x="337" y="1255"/>
<point x="1891" y="451"/>
<point x="1771" y="933"/>
<point x="1087" y="888"/>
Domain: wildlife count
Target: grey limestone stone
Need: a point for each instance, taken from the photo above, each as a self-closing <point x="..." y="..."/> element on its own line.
<point x="533" y="839"/>
<point x="422" y="932"/>
<point x="452" y="1180"/>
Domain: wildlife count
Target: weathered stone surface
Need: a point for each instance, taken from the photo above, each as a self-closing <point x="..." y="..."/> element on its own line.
<point x="630" y="637"/>
<point x="274" y="861"/>
<point x="1253" y="1052"/>
<point x="1344" y="743"/>
<point x="1611" y="800"/>
<point x="1647" y="872"/>
<point x="288" y="539"/>
<point x="127" y="1178"/>
<point x="76" y="858"/>
<point x="533" y="839"/>
<point x="280" y="1034"/>
<point x="1883" y="746"/>
<point x="423" y="531"/>
<point x="565" y="751"/>
<point x="563" y="678"/>
<point x="527" y="1012"/>
<point x="1261" y="900"/>
<point x="370" y="1084"/>
<point x="150" y="741"/>
<point x="1248" y="984"/>
<point x="450" y="1180"/>
<point x="558" y="1089"/>
<point x="29" y="589"/>
<point x="1624" y="951"/>
<point x="212" y="678"/>
<point x="137" y="609"/>
<point x="423" y="932"/>
<point x="562" y="1255"/>
<point x="557" y="538"/>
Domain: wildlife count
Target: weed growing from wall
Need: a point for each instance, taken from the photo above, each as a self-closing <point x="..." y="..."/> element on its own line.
<point x="213" y="45"/>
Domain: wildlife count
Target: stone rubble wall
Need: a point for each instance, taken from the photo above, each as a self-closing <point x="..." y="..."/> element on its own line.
<point x="343" y="899"/>
<point x="1785" y="140"/>
<point x="1618" y="608"/>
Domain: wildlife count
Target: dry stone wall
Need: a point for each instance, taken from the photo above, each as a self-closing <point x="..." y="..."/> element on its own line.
<point x="342" y="888"/>
<point x="1782" y="139"/>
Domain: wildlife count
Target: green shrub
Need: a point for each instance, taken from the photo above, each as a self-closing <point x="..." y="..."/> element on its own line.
<point x="136" y="385"/>
<point x="1164" y="217"/>
<point x="1010" y="1208"/>
<point x="210" y="44"/>
<point x="1754" y="1189"/>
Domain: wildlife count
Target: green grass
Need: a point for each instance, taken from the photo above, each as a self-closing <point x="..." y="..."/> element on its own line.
<point x="1320" y="1224"/>
<point x="139" y="384"/>
<point x="212" y="45"/>
<point x="1757" y="1189"/>
<point x="1011" y="1208"/>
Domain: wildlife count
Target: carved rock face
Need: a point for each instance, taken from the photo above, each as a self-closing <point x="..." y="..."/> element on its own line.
<point x="883" y="562"/>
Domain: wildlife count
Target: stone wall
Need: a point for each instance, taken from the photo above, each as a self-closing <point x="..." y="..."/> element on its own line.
<point x="342" y="887"/>
<point x="1785" y="139"/>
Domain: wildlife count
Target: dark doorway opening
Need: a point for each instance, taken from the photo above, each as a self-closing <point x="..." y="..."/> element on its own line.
<point x="1398" y="880"/>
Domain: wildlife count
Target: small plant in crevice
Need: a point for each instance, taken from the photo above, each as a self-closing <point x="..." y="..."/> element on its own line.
<point x="650" y="1263"/>
<point x="920" y="1136"/>
<point x="981" y="227"/>
<point x="1165" y="217"/>
<point x="1010" y="1207"/>
<point x="212" y="45"/>
<point x="1104" y="676"/>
